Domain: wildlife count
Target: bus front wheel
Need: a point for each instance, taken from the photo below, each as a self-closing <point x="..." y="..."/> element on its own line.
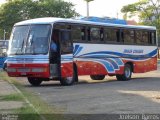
<point x="66" y="81"/>
<point x="34" y="81"/>
<point x="126" y="75"/>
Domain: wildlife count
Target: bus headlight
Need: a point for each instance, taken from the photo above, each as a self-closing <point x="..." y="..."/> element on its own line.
<point x="11" y="70"/>
<point x="38" y="69"/>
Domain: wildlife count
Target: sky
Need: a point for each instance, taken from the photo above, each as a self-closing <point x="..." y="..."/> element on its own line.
<point x="100" y="8"/>
<point x="2" y="1"/>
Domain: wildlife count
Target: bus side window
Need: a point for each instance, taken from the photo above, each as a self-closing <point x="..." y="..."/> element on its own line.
<point x="83" y="33"/>
<point x="110" y="35"/>
<point x="139" y="39"/>
<point x="76" y="33"/>
<point x="66" y="43"/>
<point x="95" y="34"/>
<point x="145" y="37"/>
<point x="153" y="37"/>
<point x="129" y="36"/>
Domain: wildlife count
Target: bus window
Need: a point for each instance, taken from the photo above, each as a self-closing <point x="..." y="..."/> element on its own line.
<point x="110" y="35"/>
<point x="145" y="37"/>
<point x="95" y="34"/>
<point x="153" y="38"/>
<point x="128" y="36"/>
<point x="139" y="39"/>
<point x="76" y="33"/>
<point x="83" y="33"/>
<point x="18" y="37"/>
<point x="142" y="37"/>
<point x="66" y="42"/>
<point x="38" y="39"/>
<point x="60" y="26"/>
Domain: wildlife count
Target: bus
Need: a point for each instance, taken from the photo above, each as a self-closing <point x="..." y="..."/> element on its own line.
<point x="80" y="48"/>
<point x="3" y="52"/>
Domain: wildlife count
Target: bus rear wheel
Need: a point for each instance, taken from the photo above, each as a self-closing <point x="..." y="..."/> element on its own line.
<point x="97" y="77"/>
<point x="34" y="81"/>
<point x="126" y="75"/>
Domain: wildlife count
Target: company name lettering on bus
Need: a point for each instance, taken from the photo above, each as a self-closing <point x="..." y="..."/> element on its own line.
<point x="137" y="51"/>
<point x="132" y="51"/>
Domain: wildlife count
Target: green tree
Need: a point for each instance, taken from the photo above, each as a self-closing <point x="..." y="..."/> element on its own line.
<point x="17" y="10"/>
<point x="148" y="12"/>
<point x="57" y="8"/>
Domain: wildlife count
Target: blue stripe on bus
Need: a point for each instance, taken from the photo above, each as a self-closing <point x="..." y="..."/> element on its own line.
<point x="106" y="53"/>
<point x="77" y="49"/>
<point x="115" y="65"/>
<point x="108" y="66"/>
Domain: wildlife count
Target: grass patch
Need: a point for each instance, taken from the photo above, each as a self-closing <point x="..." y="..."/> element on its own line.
<point x="12" y="97"/>
<point x="43" y="109"/>
<point x="4" y="76"/>
<point x="27" y="112"/>
<point x="39" y="110"/>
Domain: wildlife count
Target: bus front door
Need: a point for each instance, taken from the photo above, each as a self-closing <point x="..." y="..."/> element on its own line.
<point x="66" y="54"/>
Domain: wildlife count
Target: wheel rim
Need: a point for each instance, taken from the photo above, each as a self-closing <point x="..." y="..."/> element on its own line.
<point x="127" y="72"/>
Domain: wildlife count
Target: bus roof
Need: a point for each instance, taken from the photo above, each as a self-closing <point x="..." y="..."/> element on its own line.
<point x="51" y="20"/>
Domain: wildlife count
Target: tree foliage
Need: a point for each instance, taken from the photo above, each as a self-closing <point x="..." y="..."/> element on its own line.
<point x="148" y="11"/>
<point x="17" y="10"/>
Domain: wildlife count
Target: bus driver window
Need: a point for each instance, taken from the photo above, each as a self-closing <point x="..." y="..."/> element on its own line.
<point x="66" y="44"/>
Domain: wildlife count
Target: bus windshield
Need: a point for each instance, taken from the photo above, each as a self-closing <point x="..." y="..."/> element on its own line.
<point x="30" y="39"/>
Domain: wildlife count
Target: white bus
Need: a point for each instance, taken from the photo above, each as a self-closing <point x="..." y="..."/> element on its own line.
<point x="83" y="48"/>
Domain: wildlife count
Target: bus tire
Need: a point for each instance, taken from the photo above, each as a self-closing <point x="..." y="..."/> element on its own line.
<point x="97" y="77"/>
<point x="127" y="73"/>
<point x="67" y="81"/>
<point x="34" y="81"/>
